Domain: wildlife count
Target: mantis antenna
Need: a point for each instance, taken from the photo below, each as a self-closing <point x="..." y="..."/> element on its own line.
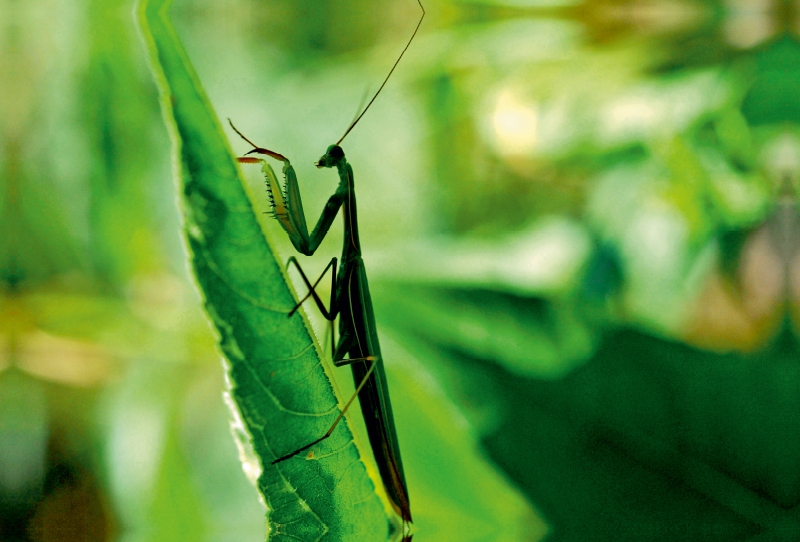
<point x="396" y="62"/>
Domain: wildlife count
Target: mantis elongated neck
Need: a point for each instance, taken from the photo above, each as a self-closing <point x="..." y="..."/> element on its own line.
<point x="352" y="243"/>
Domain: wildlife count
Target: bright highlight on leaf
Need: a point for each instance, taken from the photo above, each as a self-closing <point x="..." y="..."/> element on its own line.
<point x="515" y="125"/>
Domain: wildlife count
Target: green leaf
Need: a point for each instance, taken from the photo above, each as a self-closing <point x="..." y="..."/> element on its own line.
<point x="277" y="380"/>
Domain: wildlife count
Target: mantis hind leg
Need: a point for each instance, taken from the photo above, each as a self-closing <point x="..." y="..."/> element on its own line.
<point x="346" y="342"/>
<point x="330" y="430"/>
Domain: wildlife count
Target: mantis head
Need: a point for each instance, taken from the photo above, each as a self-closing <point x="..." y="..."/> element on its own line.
<point x="333" y="155"/>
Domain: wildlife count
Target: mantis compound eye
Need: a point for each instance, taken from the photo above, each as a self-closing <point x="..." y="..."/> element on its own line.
<point x="331" y="156"/>
<point x="335" y="152"/>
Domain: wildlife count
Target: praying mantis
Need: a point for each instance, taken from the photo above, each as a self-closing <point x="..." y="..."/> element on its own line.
<point x="350" y="300"/>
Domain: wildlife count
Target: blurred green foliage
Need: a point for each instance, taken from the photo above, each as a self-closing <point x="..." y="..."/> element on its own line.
<point x="580" y="223"/>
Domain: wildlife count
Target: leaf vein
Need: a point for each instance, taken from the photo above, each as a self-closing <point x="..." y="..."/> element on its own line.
<point x="214" y="268"/>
